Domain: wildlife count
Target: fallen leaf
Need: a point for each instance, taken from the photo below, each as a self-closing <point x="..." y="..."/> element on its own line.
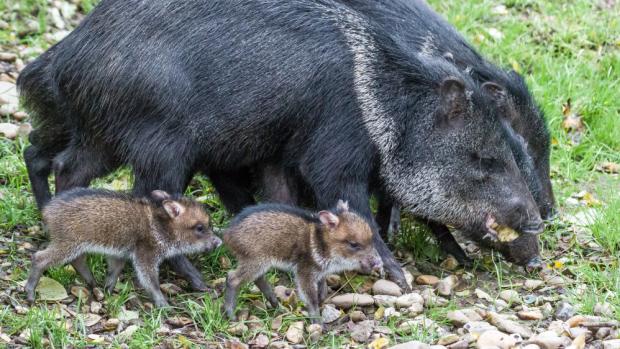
<point x="51" y="290"/>
<point x="572" y="123"/>
<point x="379" y="343"/>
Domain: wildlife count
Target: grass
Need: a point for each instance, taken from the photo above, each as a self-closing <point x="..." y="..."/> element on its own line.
<point x="566" y="50"/>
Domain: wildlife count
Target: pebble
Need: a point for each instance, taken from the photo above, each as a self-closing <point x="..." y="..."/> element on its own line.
<point x="577" y="332"/>
<point x="98" y="294"/>
<point x="333" y="280"/>
<point x="496" y="339"/>
<point x="8" y="130"/>
<point x="170" y="289"/>
<point x="408" y="277"/>
<point x="478" y="327"/>
<point x="239" y="328"/>
<point x="448" y="339"/>
<point x="411" y="345"/>
<point x="457" y="317"/>
<point x="430" y="299"/>
<point x="564" y="311"/>
<point x="348" y="300"/>
<point x="279" y="345"/>
<point x="530" y="315"/>
<point x="531" y="284"/>
<point x="483" y="295"/>
<point x="603" y="309"/>
<point x="285" y="295"/>
<point x="386" y="287"/>
<point x="295" y="332"/>
<point x="21" y="310"/>
<point x="445" y="286"/>
<point x="510" y="296"/>
<point x="361" y="331"/>
<point x="530" y="346"/>
<point x="549" y="340"/>
<point x="80" y="292"/>
<point x="603" y="332"/>
<point x="509" y="326"/>
<point x="462" y="344"/>
<point x="314" y="333"/>
<point x="8" y="57"/>
<point x="357" y="316"/>
<point x="127" y="333"/>
<point x="407" y="300"/>
<point x="330" y="313"/>
<point x="449" y="263"/>
<point x="95" y="307"/>
<point x="111" y="324"/>
<point x="611" y="344"/>
<point x="415" y="309"/>
<point x="384" y="301"/>
<point x="427" y="280"/>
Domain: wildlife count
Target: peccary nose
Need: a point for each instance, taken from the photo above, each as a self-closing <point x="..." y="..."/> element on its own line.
<point x="377" y="265"/>
<point x="215" y="241"/>
<point x="534" y="264"/>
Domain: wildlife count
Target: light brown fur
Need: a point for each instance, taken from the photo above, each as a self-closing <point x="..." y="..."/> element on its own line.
<point x="121" y="227"/>
<point x="311" y="246"/>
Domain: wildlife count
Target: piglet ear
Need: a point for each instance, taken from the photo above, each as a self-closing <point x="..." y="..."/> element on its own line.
<point x="160" y="195"/>
<point x="173" y="208"/>
<point x="329" y="219"/>
<point x="342" y="206"/>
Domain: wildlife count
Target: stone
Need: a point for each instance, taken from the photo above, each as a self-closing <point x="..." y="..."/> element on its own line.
<point x="384" y="301"/>
<point x="386" y="287"/>
<point x="8" y="130"/>
<point x="576" y="332"/>
<point x="483" y="295"/>
<point x="357" y="316"/>
<point x="411" y="345"/>
<point x="531" y="284"/>
<point x="530" y="315"/>
<point x="111" y="324"/>
<point x="170" y="289"/>
<point x="295" y="332"/>
<point x="408" y="277"/>
<point x="285" y="295"/>
<point x="95" y="307"/>
<point x="260" y="341"/>
<point x="330" y="313"/>
<point x="462" y="344"/>
<point x="427" y="280"/>
<point x="314" y="332"/>
<point x="333" y="280"/>
<point x="127" y="333"/>
<point x="564" y="311"/>
<point x="449" y="263"/>
<point x="445" y="286"/>
<point x="496" y="339"/>
<point x="508" y="326"/>
<point x="98" y="294"/>
<point x="478" y="327"/>
<point x="361" y="331"/>
<point x="603" y="309"/>
<point x="430" y="299"/>
<point x="127" y="315"/>
<point x="530" y="346"/>
<point x="448" y="339"/>
<point x="407" y="300"/>
<point x="239" y="328"/>
<point x="8" y="57"/>
<point x="611" y="344"/>
<point x="415" y="309"/>
<point x="549" y="340"/>
<point x="349" y="300"/>
<point x="510" y="296"/>
<point x="80" y="292"/>
<point x="457" y="318"/>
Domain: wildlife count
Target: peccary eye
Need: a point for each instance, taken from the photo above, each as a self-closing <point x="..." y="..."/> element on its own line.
<point x="199" y="228"/>
<point x="354" y="245"/>
<point x="485" y="162"/>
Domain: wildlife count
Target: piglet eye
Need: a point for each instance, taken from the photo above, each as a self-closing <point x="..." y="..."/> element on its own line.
<point x="354" y="245"/>
<point x="199" y="228"/>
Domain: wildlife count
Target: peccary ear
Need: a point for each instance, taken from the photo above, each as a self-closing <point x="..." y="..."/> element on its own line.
<point x="453" y="98"/>
<point x="173" y="208"/>
<point x="329" y="219"/>
<point x="496" y="91"/>
<point x="342" y="206"/>
<point x="160" y="195"/>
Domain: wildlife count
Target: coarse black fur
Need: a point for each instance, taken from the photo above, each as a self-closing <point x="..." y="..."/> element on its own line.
<point x="224" y="86"/>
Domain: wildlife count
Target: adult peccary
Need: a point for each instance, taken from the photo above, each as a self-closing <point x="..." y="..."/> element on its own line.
<point x="174" y="87"/>
<point x="420" y="29"/>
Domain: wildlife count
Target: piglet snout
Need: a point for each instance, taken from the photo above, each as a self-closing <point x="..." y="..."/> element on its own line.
<point x="213" y="242"/>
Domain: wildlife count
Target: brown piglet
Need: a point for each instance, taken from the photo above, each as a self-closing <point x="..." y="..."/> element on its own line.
<point x="309" y="245"/>
<point x="144" y="230"/>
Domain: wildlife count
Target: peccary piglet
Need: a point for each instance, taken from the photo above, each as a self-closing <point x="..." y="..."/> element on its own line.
<point x="309" y="245"/>
<point x="143" y="230"/>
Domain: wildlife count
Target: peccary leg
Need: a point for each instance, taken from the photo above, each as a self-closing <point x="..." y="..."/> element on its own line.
<point x="308" y="292"/>
<point x="323" y="289"/>
<point x="115" y="267"/>
<point x="77" y="166"/>
<point x="448" y="244"/>
<point x="81" y="266"/>
<point x="234" y="189"/>
<point x="39" y="166"/>
<point x="245" y="272"/>
<point x="264" y="286"/>
<point x="277" y="186"/>
<point x="41" y="261"/>
<point x="148" y="274"/>
<point x="388" y="216"/>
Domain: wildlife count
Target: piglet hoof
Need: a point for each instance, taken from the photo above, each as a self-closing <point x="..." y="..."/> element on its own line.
<point x="533" y="265"/>
<point x="162" y="304"/>
<point x="198" y="285"/>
